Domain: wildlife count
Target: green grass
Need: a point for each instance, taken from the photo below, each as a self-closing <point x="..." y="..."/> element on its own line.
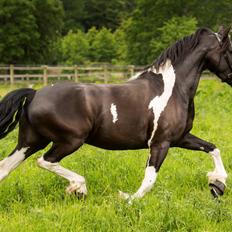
<point x="32" y="199"/>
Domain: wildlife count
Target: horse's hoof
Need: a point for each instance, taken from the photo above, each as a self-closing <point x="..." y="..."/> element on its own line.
<point x="81" y="195"/>
<point x="123" y="195"/>
<point x="79" y="190"/>
<point x="217" y="188"/>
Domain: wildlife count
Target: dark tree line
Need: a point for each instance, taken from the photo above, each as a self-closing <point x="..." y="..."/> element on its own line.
<point x="86" y="31"/>
<point x="83" y="14"/>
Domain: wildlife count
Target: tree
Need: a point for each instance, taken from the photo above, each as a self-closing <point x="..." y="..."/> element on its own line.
<point x="93" y="46"/>
<point x="49" y="16"/>
<point x="121" y="46"/>
<point x="150" y="15"/>
<point x="19" y="37"/>
<point x="85" y="14"/>
<point x="104" y="46"/>
<point x="172" y="30"/>
<point x="75" y="14"/>
<point x="28" y="28"/>
<point x="91" y="35"/>
<point x="74" y="48"/>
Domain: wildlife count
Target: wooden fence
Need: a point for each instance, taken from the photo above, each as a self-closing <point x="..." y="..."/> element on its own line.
<point x="45" y="74"/>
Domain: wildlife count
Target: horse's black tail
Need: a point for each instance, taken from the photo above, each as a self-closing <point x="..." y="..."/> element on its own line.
<point x="11" y="108"/>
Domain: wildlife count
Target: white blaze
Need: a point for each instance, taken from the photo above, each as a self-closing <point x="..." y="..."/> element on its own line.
<point x="11" y="162"/>
<point x="159" y="103"/>
<point x="113" y="110"/>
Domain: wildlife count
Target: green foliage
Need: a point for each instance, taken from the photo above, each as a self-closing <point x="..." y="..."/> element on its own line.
<point x="136" y="31"/>
<point x="142" y="27"/>
<point x="49" y="17"/>
<point x="172" y="30"/>
<point x="91" y="35"/>
<point x="149" y="16"/>
<point x="104" y="46"/>
<point x="85" y="14"/>
<point x="74" y="48"/>
<point x="121" y="46"/>
<point x="75" y="14"/>
<point x="93" y="46"/>
<point x="209" y="13"/>
<point x="19" y="37"/>
<point x="33" y="199"/>
<point x="27" y="29"/>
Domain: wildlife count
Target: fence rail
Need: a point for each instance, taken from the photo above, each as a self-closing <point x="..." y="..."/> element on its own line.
<point x="44" y="74"/>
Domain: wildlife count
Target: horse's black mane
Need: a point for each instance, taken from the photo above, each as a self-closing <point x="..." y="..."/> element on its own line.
<point x="178" y="50"/>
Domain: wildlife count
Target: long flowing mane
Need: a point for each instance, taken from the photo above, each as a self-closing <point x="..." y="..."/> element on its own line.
<point x="180" y="48"/>
<point x="176" y="52"/>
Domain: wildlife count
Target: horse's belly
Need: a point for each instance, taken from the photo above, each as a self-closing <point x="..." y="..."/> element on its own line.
<point x="116" y="139"/>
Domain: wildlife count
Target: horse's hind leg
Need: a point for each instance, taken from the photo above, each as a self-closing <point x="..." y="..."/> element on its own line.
<point x="9" y="163"/>
<point x="50" y="162"/>
<point x="29" y="142"/>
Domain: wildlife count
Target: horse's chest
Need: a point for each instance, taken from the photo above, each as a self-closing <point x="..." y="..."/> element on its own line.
<point x="158" y="104"/>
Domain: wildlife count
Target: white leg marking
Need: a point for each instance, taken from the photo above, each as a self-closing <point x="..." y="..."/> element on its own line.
<point x="147" y="184"/>
<point x="159" y="103"/>
<point x="77" y="182"/>
<point x="113" y="110"/>
<point x="11" y="162"/>
<point x="219" y="172"/>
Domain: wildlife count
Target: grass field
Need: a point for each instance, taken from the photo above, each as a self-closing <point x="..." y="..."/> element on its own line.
<point x="32" y="199"/>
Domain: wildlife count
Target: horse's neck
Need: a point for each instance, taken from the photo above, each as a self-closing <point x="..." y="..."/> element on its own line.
<point x="188" y="74"/>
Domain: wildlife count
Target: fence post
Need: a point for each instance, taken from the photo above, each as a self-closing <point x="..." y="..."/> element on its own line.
<point x="131" y="70"/>
<point x="45" y="75"/>
<point x="11" y="74"/>
<point x="75" y="74"/>
<point x="105" y="73"/>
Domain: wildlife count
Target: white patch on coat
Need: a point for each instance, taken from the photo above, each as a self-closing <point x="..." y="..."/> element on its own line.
<point x="77" y="182"/>
<point x="113" y="110"/>
<point x="218" y="37"/>
<point x="146" y="186"/>
<point x="136" y="76"/>
<point x="158" y="103"/>
<point x="11" y="162"/>
<point x="219" y="172"/>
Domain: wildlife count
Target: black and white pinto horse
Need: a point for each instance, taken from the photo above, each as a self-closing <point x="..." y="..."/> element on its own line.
<point x="154" y="110"/>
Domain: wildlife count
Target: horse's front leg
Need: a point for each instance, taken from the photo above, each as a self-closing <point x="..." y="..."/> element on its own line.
<point x="217" y="178"/>
<point x="158" y="153"/>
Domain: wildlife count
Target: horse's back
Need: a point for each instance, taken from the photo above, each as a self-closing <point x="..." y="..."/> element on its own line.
<point x="60" y="109"/>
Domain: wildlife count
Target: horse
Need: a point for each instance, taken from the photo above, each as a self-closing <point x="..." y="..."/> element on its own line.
<point x="153" y="110"/>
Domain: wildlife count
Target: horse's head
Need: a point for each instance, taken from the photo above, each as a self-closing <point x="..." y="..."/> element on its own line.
<point x="219" y="55"/>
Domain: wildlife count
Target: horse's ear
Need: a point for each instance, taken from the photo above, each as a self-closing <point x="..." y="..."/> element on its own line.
<point x="227" y="31"/>
<point x="221" y="30"/>
<point x="224" y="32"/>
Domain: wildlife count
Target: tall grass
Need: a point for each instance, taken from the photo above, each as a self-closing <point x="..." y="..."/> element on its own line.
<point x="32" y="199"/>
